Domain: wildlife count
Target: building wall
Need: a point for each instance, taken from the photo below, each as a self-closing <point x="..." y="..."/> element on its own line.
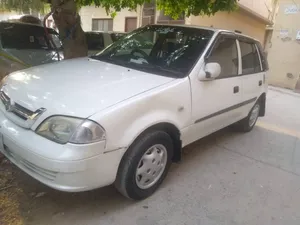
<point x="9" y="15"/>
<point x="284" y="52"/>
<point x="261" y="7"/>
<point x="90" y="12"/>
<point x="232" y="21"/>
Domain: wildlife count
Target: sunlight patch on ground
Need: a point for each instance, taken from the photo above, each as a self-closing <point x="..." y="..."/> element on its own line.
<point x="278" y="129"/>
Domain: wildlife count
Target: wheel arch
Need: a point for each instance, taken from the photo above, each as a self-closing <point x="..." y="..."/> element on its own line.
<point x="262" y="100"/>
<point x="171" y="130"/>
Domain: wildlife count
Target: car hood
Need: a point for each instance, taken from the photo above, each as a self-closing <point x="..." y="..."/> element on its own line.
<point x="79" y="87"/>
<point x="33" y="57"/>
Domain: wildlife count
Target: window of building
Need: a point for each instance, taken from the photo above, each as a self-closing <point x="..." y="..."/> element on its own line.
<point x="225" y="53"/>
<point x="250" y="58"/>
<point x="102" y="25"/>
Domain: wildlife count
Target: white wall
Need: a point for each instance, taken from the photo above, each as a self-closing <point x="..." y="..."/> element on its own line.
<point x="262" y="7"/>
<point x="90" y="12"/>
<point x="9" y="15"/>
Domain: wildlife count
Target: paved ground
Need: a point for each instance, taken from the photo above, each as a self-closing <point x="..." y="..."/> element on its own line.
<point x="225" y="179"/>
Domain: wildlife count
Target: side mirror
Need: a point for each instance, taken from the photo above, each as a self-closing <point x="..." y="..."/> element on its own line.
<point x="210" y="72"/>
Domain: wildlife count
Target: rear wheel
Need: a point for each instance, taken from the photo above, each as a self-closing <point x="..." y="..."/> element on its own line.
<point x="249" y="122"/>
<point x="145" y="165"/>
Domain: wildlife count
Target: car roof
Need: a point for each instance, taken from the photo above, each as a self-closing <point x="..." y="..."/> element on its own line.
<point x="217" y="30"/>
<point x="105" y="32"/>
<point x="3" y="24"/>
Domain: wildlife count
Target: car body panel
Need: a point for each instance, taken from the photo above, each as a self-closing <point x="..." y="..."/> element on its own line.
<point x="95" y="86"/>
<point x="137" y="114"/>
<point x="62" y="167"/>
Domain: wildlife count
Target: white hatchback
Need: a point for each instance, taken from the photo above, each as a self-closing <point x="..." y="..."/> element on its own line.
<point x="124" y="115"/>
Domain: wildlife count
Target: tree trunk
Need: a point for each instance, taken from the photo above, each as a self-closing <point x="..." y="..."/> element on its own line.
<point x="68" y="23"/>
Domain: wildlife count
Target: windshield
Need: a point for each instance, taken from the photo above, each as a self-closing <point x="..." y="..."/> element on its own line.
<point x="18" y="36"/>
<point x="164" y="50"/>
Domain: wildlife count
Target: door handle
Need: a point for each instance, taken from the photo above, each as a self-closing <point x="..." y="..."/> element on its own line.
<point x="236" y="89"/>
<point x="260" y="83"/>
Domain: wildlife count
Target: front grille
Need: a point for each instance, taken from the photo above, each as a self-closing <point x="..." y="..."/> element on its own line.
<point x="9" y="153"/>
<point x="47" y="174"/>
<point x="17" y="109"/>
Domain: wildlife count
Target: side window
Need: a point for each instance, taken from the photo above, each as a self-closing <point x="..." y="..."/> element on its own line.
<point x="263" y="57"/>
<point x="224" y="52"/>
<point x="250" y="58"/>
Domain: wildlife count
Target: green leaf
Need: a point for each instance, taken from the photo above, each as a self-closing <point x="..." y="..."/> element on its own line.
<point x="174" y="8"/>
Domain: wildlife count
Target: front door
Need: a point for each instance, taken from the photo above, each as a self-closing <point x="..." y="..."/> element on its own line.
<point x="130" y="24"/>
<point x="216" y="103"/>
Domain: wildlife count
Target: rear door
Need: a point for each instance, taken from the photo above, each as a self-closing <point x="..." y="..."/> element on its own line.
<point x="252" y="73"/>
<point x="217" y="103"/>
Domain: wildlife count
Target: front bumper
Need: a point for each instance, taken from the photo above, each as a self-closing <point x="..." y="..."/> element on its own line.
<point x="30" y="152"/>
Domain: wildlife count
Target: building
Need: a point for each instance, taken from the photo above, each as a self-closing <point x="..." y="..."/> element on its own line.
<point x="96" y="19"/>
<point x="252" y="18"/>
<point x="284" y="52"/>
<point x="5" y="15"/>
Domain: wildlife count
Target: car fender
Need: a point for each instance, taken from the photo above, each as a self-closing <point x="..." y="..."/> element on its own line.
<point x="125" y="121"/>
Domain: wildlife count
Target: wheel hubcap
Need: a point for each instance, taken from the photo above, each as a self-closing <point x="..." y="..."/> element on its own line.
<point x="254" y="115"/>
<point x="151" y="166"/>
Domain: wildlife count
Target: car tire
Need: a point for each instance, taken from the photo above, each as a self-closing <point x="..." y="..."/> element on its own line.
<point x="145" y="165"/>
<point x="247" y="124"/>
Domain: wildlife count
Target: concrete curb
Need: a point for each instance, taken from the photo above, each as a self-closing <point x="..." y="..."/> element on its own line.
<point x="284" y="91"/>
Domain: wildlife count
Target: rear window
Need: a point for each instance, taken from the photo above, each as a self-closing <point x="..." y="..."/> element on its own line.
<point x="94" y="41"/>
<point x="250" y="58"/>
<point x="20" y="36"/>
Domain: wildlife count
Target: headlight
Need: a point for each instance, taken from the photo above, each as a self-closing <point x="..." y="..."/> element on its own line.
<point x="68" y="129"/>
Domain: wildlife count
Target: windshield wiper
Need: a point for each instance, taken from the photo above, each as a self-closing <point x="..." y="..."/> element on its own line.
<point x="156" y="67"/>
<point x="109" y="60"/>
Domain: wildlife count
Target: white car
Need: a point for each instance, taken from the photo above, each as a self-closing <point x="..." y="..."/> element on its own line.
<point x="124" y="115"/>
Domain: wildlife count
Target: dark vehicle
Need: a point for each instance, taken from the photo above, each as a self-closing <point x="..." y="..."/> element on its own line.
<point x="24" y="45"/>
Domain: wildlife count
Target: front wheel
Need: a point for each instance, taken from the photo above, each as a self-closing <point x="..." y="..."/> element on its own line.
<point x="247" y="124"/>
<point x="145" y="165"/>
